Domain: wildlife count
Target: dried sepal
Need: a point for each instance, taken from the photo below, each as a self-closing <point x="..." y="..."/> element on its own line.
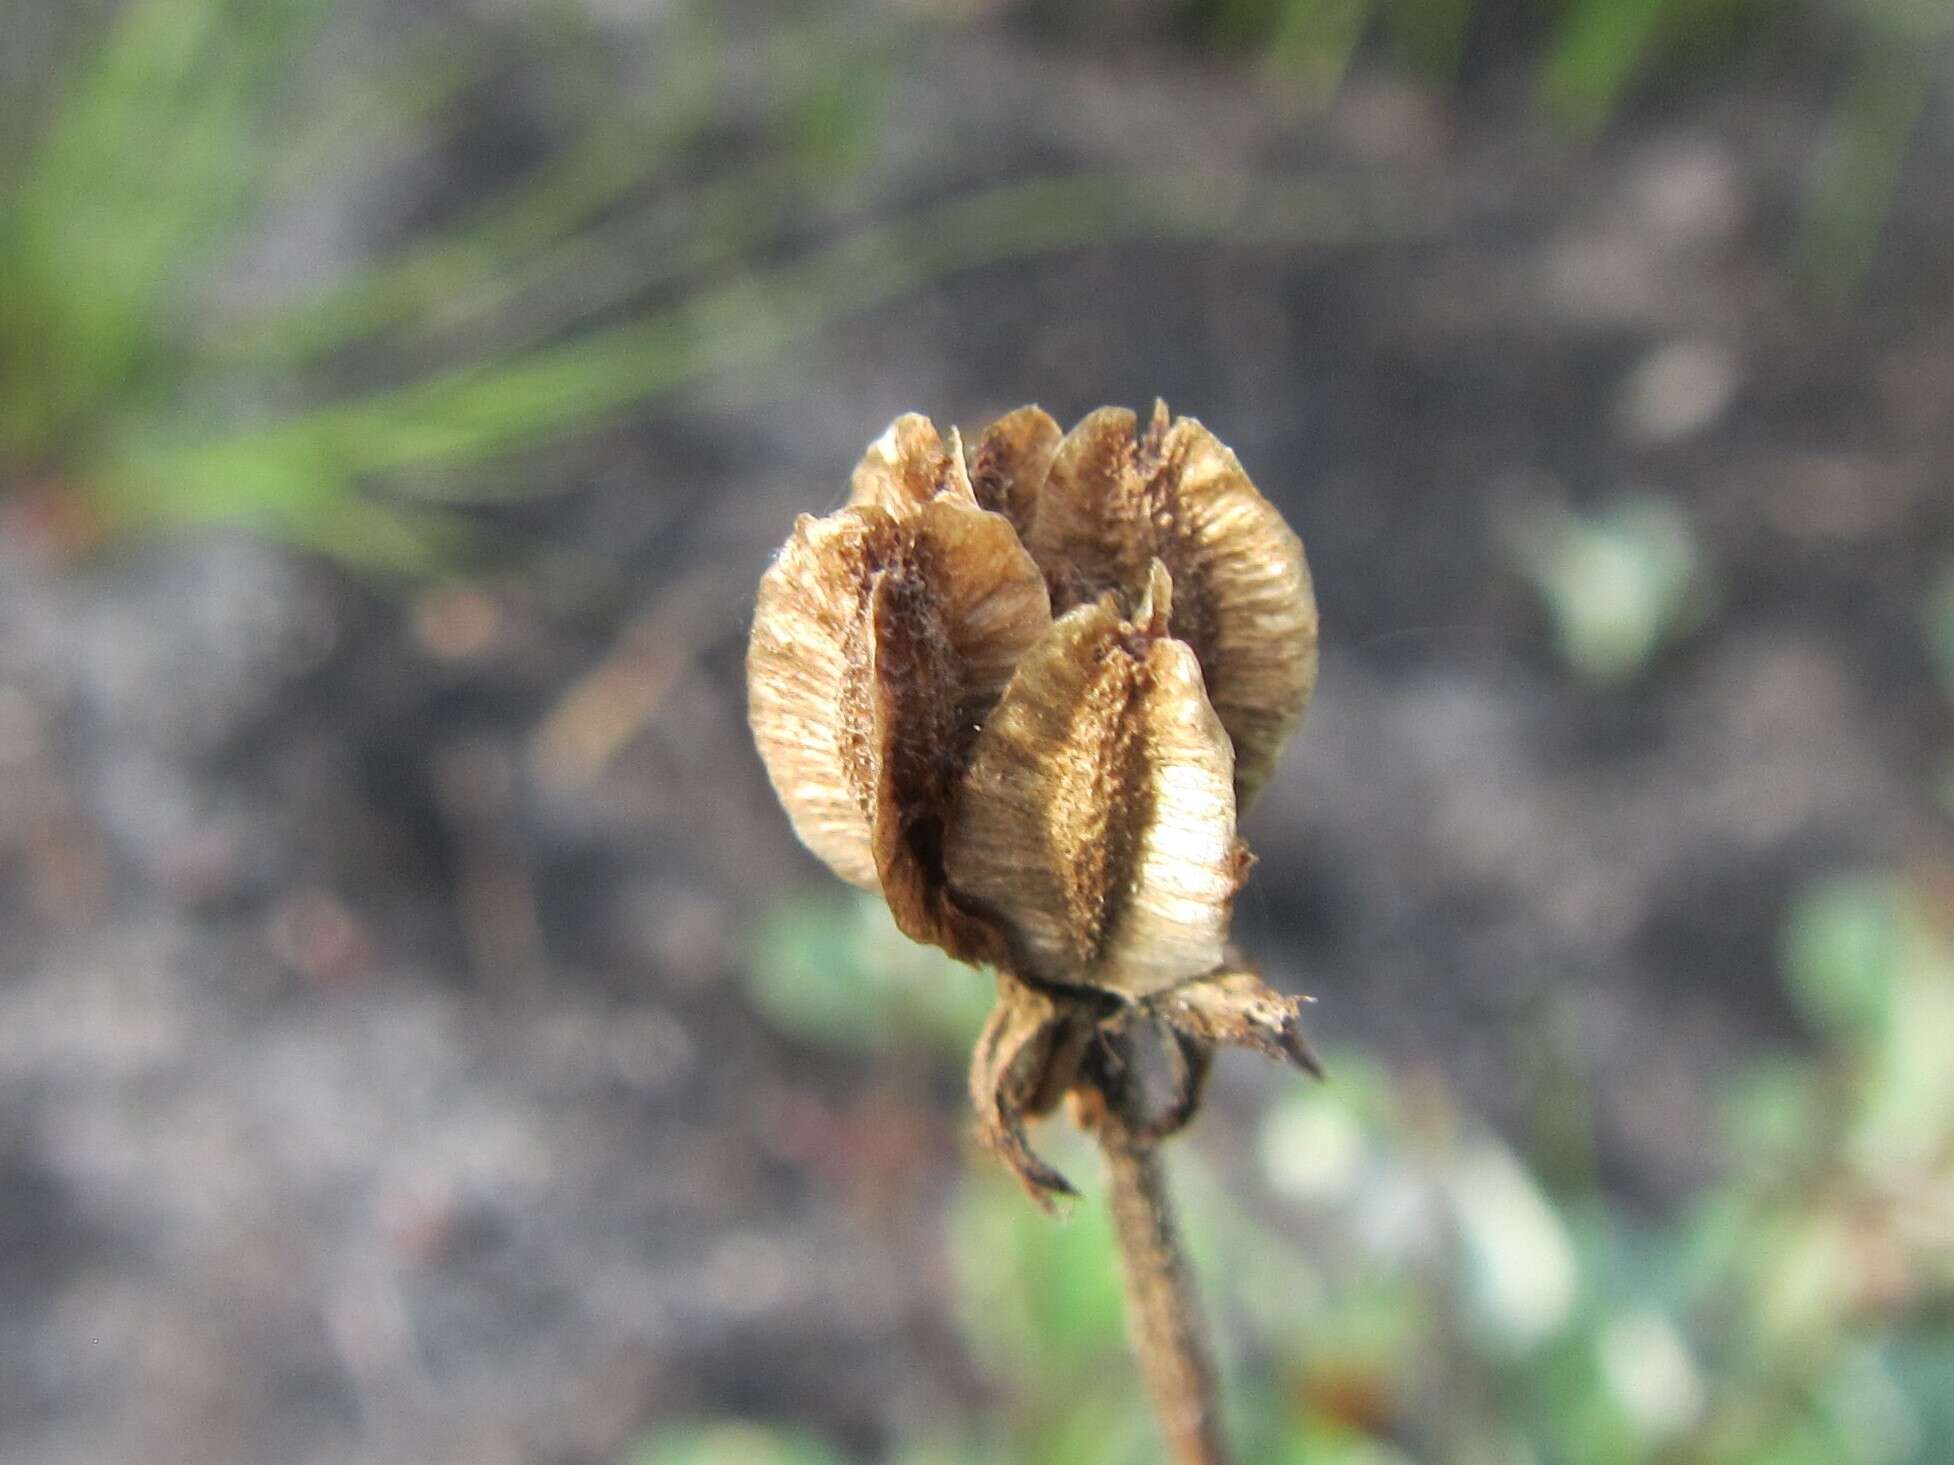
<point x="1024" y="1061"/>
<point x="909" y="465"/>
<point x="1097" y="827"/>
<point x="1189" y="1061"/>
<point x="879" y="644"/>
<point x="1009" y="464"/>
<point x="1116" y="498"/>
<point x="1237" y="1009"/>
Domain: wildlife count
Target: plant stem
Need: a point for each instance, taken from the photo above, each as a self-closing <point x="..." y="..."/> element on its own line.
<point x="1163" y="1314"/>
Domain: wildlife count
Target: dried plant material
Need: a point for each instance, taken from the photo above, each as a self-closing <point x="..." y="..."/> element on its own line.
<point x="1163" y="1316"/>
<point x="909" y="465"/>
<point x="1012" y="457"/>
<point x="879" y="645"/>
<point x="1025" y="1059"/>
<point x="1237" y="1009"/>
<point x="1189" y="1061"/>
<point x="1056" y="798"/>
<point x="1115" y="499"/>
<point x="1098" y="822"/>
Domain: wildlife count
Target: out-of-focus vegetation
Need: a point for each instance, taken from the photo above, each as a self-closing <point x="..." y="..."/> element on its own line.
<point x="1588" y="53"/>
<point x="135" y="391"/>
<point x="1402" y="1285"/>
<point x="638" y="256"/>
<point x="832" y="969"/>
<point x="1617" y="587"/>
<point x="1590" y="57"/>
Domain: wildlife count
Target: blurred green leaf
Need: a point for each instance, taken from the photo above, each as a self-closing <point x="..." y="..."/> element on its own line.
<point x="1803" y="1264"/>
<point x="1841" y="950"/>
<point x="1772" y="1115"/>
<point x="1596" y="50"/>
<point x="1040" y="1298"/>
<point x="1618" y="586"/>
<point x="154" y="147"/>
<point x="1652" y="1376"/>
<point x="1870" y="1416"/>
<point x="833" y="969"/>
<point x="1906" y="1115"/>
<point x="952" y="1452"/>
<point x="1319" y="1443"/>
<point x="1429" y="34"/>
<point x="732" y="1443"/>
<point x="1313" y="41"/>
<point x="1315" y="1147"/>
<point x="1521" y="1275"/>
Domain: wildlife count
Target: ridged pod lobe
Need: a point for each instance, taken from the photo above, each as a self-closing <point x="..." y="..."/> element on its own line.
<point x="908" y="466"/>
<point x="1009" y="464"/>
<point x="912" y="463"/>
<point x="1097" y="826"/>
<point x="880" y="643"/>
<point x="1115" y="499"/>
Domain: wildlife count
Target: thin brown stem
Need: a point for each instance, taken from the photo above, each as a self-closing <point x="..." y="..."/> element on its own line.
<point x="1163" y="1314"/>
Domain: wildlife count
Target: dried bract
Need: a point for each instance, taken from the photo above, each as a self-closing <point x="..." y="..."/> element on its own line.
<point x="1116" y="499"/>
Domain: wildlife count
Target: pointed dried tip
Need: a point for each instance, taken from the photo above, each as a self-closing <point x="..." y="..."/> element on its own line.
<point x="1041" y="1182"/>
<point x="957" y="478"/>
<point x="1155" y="612"/>
<point x="1238" y="1009"/>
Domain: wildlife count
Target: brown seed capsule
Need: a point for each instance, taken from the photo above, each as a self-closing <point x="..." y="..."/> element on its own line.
<point x="879" y="645"/>
<point x="1097" y="827"/>
<point x="1116" y="499"/>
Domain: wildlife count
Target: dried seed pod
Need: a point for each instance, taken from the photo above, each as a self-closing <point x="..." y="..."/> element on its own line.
<point x="879" y="645"/>
<point x="1116" y="499"/>
<point x="1008" y="468"/>
<point x="1097" y="826"/>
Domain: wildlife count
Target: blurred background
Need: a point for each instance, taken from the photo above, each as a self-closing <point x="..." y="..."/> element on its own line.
<point x="421" y="1039"/>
